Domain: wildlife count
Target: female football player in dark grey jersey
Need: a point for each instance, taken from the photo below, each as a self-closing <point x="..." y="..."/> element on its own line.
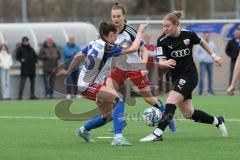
<point x="174" y="50"/>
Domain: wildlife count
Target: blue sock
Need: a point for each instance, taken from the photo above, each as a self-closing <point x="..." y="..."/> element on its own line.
<point x="95" y="122"/>
<point x="118" y="117"/>
<point x="161" y="107"/>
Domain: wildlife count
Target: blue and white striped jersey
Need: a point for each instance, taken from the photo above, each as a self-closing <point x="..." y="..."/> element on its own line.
<point x="97" y="53"/>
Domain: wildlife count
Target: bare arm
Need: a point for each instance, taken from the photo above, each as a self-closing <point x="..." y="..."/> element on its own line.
<point x="144" y="59"/>
<point x="205" y="46"/>
<point x="236" y="71"/>
<point x="235" y="77"/>
<point x="136" y="43"/>
<point x="76" y="59"/>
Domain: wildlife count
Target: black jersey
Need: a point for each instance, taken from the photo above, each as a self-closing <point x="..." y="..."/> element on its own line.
<point x="179" y="49"/>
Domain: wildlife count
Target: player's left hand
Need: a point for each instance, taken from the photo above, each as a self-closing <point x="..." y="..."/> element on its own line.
<point x="142" y="27"/>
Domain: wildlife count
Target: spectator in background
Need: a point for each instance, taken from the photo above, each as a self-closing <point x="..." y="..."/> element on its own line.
<point x="70" y="50"/>
<point x="232" y="51"/>
<point x="49" y="54"/>
<point x="205" y="64"/>
<point x="26" y="55"/>
<point x="5" y="63"/>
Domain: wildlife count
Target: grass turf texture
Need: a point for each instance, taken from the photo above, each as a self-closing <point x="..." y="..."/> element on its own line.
<point x="53" y="139"/>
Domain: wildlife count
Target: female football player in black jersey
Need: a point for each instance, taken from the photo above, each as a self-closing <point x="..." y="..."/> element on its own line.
<point x="174" y="51"/>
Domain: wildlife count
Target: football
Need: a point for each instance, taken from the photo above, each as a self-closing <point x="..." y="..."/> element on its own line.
<point x="151" y="116"/>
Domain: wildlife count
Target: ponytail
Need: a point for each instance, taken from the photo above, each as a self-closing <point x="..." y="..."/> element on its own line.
<point x="174" y="17"/>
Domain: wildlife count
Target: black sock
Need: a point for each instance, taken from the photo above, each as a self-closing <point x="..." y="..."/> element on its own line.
<point x="202" y="117"/>
<point x="160" y="101"/>
<point x="167" y="116"/>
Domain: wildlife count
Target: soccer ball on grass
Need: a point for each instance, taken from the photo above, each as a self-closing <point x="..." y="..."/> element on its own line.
<point x="151" y="116"/>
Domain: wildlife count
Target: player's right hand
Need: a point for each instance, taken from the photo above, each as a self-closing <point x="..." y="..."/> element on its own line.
<point x="230" y="90"/>
<point x="171" y="63"/>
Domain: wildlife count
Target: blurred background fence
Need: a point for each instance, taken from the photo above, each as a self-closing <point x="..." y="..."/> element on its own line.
<point x="40" y="18"/>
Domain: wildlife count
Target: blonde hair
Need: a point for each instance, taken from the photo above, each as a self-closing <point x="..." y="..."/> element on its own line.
<point x="174" y="17"/>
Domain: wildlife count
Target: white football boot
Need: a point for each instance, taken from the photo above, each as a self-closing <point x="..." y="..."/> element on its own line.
<point x="221" y="126"/>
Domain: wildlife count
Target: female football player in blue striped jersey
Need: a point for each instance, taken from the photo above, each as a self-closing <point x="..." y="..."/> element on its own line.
<point x="95" y="55"/>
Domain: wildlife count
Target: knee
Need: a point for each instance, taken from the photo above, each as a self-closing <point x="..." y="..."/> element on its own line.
<point x="108" y="117"/>
<point x="101" y="99"/>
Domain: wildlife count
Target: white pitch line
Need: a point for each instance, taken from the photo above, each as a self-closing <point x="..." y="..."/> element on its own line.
<point x="228" y="120"/>
<point x="26" y="117"/>
<point x="104" y="137"/>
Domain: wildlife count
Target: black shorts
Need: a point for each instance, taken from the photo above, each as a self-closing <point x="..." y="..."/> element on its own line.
<point x="185" y="84"/>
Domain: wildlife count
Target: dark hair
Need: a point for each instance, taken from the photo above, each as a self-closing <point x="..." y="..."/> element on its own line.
<point x="25" y="38"/>
<point x="174" y="17"/>
<point x="105" y="28"/>
<point x="4" y="45"/>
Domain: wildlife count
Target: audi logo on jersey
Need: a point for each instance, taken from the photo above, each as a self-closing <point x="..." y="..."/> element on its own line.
<point x="180" y="53"/>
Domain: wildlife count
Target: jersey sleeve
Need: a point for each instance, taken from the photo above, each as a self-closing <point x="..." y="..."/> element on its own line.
<point x="132" y="32"/>
<point x="195" y="38"/>
<point x="161" y="51"/>
<point x="113" y="50"/>
<point x="85" y="50"/>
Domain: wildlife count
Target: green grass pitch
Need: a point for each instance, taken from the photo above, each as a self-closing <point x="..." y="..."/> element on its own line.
<point x="28" y="130"/>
